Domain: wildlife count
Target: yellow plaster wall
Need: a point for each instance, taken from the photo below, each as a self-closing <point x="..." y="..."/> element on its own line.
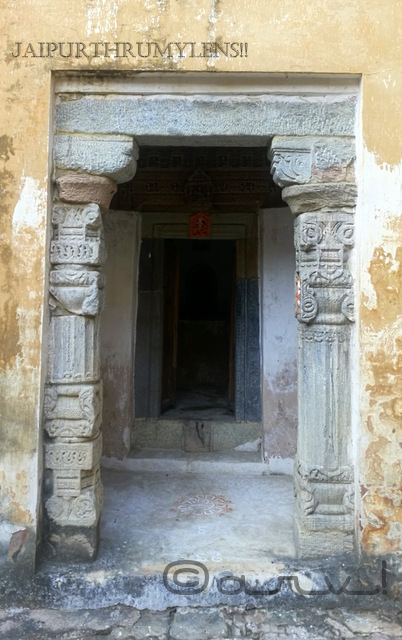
<point x="321" y="36"/>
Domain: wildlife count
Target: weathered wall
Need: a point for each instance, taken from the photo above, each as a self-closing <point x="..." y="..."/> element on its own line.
<point x="278" y="339"/>
<point x="352" y="37"/>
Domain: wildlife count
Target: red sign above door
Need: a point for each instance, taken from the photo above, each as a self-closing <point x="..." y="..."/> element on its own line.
<point x="200" y="225"/>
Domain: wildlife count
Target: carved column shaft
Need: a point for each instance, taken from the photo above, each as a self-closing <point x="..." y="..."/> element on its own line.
<point x="324" y="234"/>
<point x="73" y="399"/>
<point x="73" y="396"/>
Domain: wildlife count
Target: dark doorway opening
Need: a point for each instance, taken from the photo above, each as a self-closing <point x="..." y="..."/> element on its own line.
<point x="198" y="328"/>
<point x="171" y="183"/>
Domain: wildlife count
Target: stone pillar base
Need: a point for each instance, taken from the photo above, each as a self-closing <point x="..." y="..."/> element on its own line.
<point x="318" y="544"/>
<point x="73" y="544"/>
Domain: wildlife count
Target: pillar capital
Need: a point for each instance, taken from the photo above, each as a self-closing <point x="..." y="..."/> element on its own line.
<point x="323" y="197"/>
<point x="86" y="189"/>
<point x="111" y="156"/>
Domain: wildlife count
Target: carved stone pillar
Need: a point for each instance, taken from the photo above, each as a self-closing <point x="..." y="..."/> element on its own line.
<point x="73" y="394"/>
<point x="317" y="174"/>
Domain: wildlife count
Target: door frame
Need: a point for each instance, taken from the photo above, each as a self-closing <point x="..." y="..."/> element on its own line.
<point x="308" y="123"/>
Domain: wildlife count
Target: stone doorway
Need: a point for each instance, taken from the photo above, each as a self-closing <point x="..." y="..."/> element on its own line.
<point x="309" y="135"/>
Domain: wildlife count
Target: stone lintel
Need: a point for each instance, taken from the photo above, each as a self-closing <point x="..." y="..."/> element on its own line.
<point x="172" y="117"/>
<point x="112" y="156"/>
<point x="85" y="189"/>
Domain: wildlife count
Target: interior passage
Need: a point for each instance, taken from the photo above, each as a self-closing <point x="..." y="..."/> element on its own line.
<point x="198" y="326"/>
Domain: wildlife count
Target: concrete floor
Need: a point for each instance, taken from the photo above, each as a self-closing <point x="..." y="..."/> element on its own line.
<point x="161" y="506"/>
<point x="220" y="509"/>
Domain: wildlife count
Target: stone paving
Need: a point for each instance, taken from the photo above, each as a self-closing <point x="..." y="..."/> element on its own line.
<point x="126" y="623"/>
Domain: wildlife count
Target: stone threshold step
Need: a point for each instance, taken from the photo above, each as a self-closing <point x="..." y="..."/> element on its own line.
<point x="195" y="435"/>
<point x="157" y="460"/>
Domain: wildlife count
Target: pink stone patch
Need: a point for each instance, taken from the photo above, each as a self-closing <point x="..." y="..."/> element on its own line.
<point x="86" y="189"/>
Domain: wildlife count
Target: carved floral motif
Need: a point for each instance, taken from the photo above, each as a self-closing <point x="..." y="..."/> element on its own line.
<point x="84" y="510"/>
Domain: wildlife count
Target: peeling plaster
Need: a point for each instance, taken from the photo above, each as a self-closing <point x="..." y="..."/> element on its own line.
<point x="29" y="209"/>
<point x="102" y="18"/>
<point x="381" y="360"/>
<point x="381" y="193"/>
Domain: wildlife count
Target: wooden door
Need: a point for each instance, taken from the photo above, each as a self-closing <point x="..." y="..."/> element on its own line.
<point x="171" y="279"/>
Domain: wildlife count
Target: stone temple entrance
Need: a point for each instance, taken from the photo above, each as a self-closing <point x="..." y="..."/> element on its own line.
<point x="308" y="135"/>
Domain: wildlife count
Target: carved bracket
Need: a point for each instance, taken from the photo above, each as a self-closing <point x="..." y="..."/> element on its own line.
<point x="111" y="156"/>
<point x="291" y="160"/>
